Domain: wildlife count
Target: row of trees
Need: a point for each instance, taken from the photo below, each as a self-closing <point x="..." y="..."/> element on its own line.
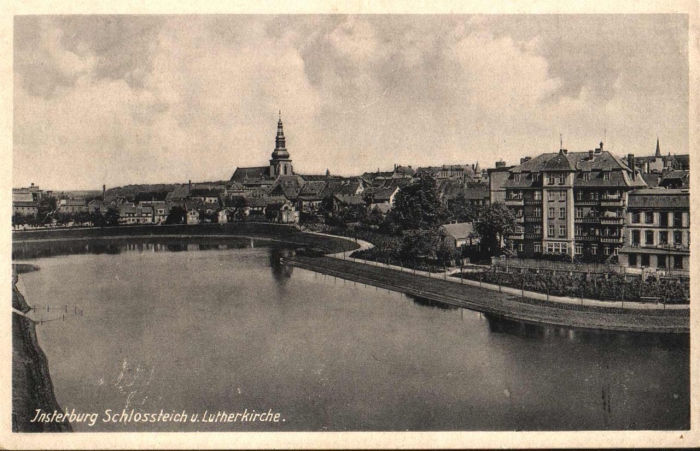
<point x="55" y="217"/>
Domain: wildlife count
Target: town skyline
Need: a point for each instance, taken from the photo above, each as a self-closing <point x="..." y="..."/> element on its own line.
<point x="166" y="99"/>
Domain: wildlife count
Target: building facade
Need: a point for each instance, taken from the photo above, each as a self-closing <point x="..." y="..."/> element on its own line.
<point x="570" y="203"/>
<point x="658" y="230"/>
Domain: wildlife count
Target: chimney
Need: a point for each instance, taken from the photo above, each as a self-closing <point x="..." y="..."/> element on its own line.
<point x="630" y="163"/>
<point x="601" y="146"/>
<point x="104" y="190"/>
<point x="590" y="154"/>
<point x="500" y="164"/>
<point x="189" y="185"/>
<point x="563" y="152"/>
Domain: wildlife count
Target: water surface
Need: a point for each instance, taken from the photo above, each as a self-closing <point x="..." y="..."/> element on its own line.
<point x="203" y="327"/>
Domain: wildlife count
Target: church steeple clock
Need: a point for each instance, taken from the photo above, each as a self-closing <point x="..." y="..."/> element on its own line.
<point x="280" y="164"/>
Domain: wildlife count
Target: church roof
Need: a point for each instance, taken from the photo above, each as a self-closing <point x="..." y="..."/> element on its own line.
<point x="251" y="175"/>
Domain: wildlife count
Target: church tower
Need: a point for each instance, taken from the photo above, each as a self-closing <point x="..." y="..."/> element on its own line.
<point x="280" y="164"/>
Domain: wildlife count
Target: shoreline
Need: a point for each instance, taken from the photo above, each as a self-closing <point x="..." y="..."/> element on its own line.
<point x="502" y="304"/>
<point x="32" y="387"/>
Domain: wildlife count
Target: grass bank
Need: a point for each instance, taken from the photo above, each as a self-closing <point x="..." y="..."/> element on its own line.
<point x="500" y="304"/>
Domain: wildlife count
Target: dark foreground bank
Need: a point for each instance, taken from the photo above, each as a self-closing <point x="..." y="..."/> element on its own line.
<point x="32" y="388"/>
<point x="501" y="304"/>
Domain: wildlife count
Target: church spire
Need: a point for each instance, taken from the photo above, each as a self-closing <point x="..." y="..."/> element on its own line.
<point x="280" y="164"/>
<point x="658" y="149"/>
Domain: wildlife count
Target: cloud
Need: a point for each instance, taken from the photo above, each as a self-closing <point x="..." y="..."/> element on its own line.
<point x="135" y="99"/>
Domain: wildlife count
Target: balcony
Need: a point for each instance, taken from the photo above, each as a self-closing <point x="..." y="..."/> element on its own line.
<point x="612" y="221"/>
<point x="517" y="236"/>
<point x="519" y="219"/>
<point x="586" y="202"/>
<point x="533" y="202"/>
<point x="587" y="220"/>
<point x="612" y="203"/>
<point x="586" y="238"/>
<point x="533" y="236"/>
<point x="612" y="239"/>
<point x="533" y="219"/>
<point x="515" y="202"/>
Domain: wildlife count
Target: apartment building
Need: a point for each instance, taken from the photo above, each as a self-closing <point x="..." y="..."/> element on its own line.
<point x="658" y="230"/>
<point x="570" y="203"/>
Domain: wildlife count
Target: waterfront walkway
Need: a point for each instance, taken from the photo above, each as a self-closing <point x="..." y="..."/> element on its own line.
<point x="502" y="304"/>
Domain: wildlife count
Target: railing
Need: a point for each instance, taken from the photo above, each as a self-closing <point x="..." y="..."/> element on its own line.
<point x="517" y="236"/>
<point x="586" y="202"/>
<point x="618" y="221"/>
<point x="514" y="202"/>
<point x="588" y="220"/>
<point x="587" y="238"/>
<point x="533" y="236"/>
<point x="612" y="203"/>
<point x="533" y="202"/>
<point x="519" y="219"/>
<point x="612" y="239"/>
<point x="533" y="218"/>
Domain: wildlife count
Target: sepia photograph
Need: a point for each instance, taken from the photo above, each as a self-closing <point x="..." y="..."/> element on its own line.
<point x="336" y="223"/>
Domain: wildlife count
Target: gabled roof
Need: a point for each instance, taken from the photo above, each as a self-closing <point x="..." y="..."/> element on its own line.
<point x="383" y="194"/>
<point x="251" y="175"/>
<point x="353" y="199"/>
<point x="651" y="179"/>
<point x="206" y="192"/>
<point x="460" y="230"/>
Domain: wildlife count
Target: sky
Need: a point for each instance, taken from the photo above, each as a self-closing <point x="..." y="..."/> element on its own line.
<point x="133" y="99"/>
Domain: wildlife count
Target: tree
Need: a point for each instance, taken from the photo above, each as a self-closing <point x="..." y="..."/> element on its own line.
<point x="494" y="222"/>
<point x="112" y="217"/>
<point x="19" y="219"/>
<point x="462" y="210"/>
<point x="418" y="207"/>
<point x="177" y="215"/>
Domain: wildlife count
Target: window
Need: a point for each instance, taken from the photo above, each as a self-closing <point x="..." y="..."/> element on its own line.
<point x="649" y="237"/>
<point x="649" y="217"/>
<point x="594" y="249"/>
<point x="579" y="249"/>
<point x="520" y="247"/>
<point x="661" y="261"/>
<point x="677" y="262"/>
<point x="538" y="248"/>
<point x="633" y="260"/>
<point x="677" y="237"/>
<point x="587" y="176"/>
<point x="579" y="195"/>
<point x="663" y="237"/>
<point x="562" y="231"/>
<point x="550" y="196"/>
<point x="636" y="237"/>
<point x="578" y="231"/>
<point x="645" y="260"/>
<point x="635" y="217"/>
<point x="606" y="250"/>
<point x="562" y="213"/>
<point x="550" y="231"/>
<point x="550" y="180"/>
<point x="551" y="212"/>
<point x="663" y="219"/>
<point x="538" y="212"/>
<point x="538" y="229"/>
<point x="677" y="219"/>
<point x="517" y="177"/>
<point x="538" y="195"/>
<point x="606" y="176"/>
<point x="579" y="212"/>
<point x="562" y="179"/>
<point x="594" y="231"/>
<point x="562" y="196"/>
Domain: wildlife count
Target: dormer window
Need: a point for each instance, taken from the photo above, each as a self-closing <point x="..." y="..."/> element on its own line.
<point x="586" y="176"/>
<point x="517" y="177"/>
<point x="562" y="179"/>
<point x="606" y="176"/>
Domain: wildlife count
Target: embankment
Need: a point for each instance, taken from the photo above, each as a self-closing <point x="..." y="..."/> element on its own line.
<point x="32" y="388"/>
<point x="501" y="304"/>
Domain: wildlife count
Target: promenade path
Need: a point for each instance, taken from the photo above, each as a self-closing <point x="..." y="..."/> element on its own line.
<point x="497" y="303"/>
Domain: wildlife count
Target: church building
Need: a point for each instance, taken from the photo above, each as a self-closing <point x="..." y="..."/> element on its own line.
<point x="265" y="176"/>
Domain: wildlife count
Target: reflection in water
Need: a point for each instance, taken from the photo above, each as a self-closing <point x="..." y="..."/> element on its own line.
<point x="42" y="249"/>
<point x="280" y="271"/>
<point x="418" y="300"/>
<point x="499" y="325"/>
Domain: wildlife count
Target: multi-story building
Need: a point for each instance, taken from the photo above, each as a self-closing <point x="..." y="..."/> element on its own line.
<point x="570" y="203"/>
<point x="658" y="230"/>
<point x="497" y="178"/>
